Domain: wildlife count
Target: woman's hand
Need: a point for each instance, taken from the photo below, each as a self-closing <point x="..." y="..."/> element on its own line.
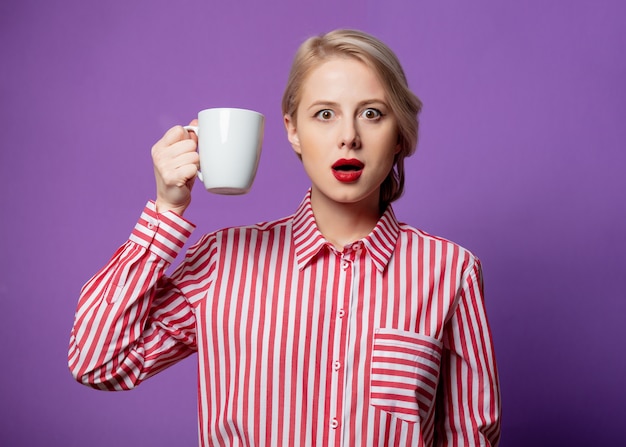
<point x="176" y="163"/>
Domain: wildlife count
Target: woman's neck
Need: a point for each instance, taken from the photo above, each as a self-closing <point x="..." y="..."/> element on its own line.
<point x="344" y="223"/>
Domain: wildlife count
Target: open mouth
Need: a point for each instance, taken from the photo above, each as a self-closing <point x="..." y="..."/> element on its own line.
<point x="348" y="171"/>
<point x="344" y="165"/>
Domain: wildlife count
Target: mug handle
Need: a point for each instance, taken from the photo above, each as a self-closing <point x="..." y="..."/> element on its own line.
<point x="194" y="129"/>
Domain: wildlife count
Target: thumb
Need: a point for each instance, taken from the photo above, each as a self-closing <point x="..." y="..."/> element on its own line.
<point x="174" y="135"/>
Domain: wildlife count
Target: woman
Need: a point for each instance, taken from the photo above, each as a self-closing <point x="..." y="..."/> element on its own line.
<point x="337" y="325"/>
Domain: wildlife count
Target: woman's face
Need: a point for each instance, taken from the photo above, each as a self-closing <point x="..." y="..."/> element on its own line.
<point x="346" y="133"/>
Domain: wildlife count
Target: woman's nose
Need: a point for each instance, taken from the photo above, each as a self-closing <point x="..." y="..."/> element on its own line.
<point x="349" y="136"/>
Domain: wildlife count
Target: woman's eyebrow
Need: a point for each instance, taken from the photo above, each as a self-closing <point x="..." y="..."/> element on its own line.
<point x="322" y="103"/>
<point x="376" y="101"/>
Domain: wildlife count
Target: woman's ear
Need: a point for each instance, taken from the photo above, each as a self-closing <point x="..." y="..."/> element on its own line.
<point x="292" y="133"/>
<point x="398" y="145"/>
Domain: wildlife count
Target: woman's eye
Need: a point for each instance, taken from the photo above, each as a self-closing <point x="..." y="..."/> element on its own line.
<point x="325" y="114"/>
<point x="371" y="114"/>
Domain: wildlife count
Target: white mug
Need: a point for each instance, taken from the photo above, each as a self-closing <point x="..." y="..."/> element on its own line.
<point x="229" y="144"/>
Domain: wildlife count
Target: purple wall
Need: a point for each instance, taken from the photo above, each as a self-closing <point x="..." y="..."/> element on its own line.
<point x="521" y="159"/>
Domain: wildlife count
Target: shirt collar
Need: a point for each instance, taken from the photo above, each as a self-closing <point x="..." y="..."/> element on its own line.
<point x="308" y="241"/>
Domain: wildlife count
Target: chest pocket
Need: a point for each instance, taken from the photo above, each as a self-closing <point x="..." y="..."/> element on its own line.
<point x="404" y="374"/>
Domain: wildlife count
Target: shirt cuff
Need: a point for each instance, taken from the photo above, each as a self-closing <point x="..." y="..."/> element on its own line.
<point x="163" y="234"/>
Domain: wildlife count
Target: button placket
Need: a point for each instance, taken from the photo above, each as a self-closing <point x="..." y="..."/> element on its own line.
<point x="338" y="365"/>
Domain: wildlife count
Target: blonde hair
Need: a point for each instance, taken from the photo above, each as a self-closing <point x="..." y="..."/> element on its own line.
<point x="380" y="58"/>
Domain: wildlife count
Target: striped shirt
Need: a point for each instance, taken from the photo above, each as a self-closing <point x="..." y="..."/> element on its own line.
<point x="385" y="343"/>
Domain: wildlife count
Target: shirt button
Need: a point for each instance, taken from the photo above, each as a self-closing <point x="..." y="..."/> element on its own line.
<point x="345" y="265"/>
<point x="341" y="313"/>
<point x="150" y="226"/>
<point x="334" y="423"/>
<point x="337" y="365"/>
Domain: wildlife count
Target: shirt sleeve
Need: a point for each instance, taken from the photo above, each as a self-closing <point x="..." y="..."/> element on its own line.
<point x="132" y="321"/>
<point x="468" y="401"/>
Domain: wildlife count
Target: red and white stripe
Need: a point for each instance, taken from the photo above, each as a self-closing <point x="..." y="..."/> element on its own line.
<point x="385" y="343"/>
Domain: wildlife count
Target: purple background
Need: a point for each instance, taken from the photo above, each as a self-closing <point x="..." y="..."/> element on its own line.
<point x="521" y="159"/>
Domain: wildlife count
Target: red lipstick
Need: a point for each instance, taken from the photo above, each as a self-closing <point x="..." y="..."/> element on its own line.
<point x="347" y="171"/>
